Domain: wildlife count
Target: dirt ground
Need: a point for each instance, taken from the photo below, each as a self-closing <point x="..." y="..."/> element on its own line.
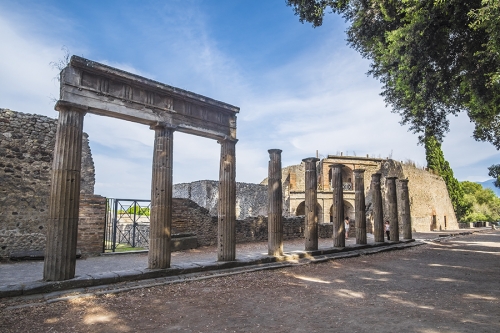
<point x="447" y="286"/>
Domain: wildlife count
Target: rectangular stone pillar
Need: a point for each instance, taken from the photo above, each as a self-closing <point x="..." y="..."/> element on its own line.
<point x="405" y="213"/>
<point x="226" y="229"/>
<point x="64" y="204"/>
<point x="360" y="206"/>
<point x="275" y="207"/>
<point x="161" y="198"/>
<point x="338" y="206"/>
<point x="378" y="214"/>
<point x="393" y="208"/>
<point x="311" y="201"/>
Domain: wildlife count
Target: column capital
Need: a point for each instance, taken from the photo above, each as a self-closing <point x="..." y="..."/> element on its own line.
<point x="161" y="124"/>
<point x="376" y="175"/>
<point x="68" y="106"/>
<point x="391" y="178"/>
<point x="359" y="171"/>
<point x="404" y="181"/>
<point x="310" y="160"/>
<point x="227" y="139"/>
<point x="275" y="151"/>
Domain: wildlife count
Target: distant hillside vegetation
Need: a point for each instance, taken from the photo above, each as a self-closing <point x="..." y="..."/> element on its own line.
<point x="489" y="184"/>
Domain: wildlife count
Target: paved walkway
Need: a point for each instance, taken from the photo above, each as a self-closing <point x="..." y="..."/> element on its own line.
<point x="29" y="271"/>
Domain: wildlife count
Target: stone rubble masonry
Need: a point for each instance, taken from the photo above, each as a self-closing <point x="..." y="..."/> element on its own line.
<point x="251" y="199"/>
<point x="26" y="149"/>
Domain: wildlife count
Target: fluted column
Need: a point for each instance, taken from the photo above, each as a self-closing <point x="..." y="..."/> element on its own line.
<point x="338" y="206"/>
<point x="64" y="202"/>
<point x="393" y="208"/>
<point x="161" y="198"/>
<point x="311" y="198"/>
<point x="275" y="208"/>
<point x="405" y="213"/>
<point x="378" y="214"/>
<point x="226" y="228"/>
<point x="360" y="207"/>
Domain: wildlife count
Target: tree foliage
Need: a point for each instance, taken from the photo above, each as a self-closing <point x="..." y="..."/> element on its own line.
<point x="494" y="171"/>
<point x="485" y="205"/>
<point x="437" y="163"/>
<point x="434" y="58"/>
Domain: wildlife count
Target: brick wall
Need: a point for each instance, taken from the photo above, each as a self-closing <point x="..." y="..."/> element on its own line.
<point x="91" y="224"/>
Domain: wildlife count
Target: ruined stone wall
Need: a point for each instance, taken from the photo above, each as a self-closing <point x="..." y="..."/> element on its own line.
<point x="429" y="197"/>
<point x="91" y="224"/>
<point x="26" y="147"/>
<point x="189" y="217"/>
<point x="251" y="199"/>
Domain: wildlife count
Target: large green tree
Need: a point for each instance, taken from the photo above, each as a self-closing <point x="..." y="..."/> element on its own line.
<point x="485" y="205"/>
<point x="434" y="58"/>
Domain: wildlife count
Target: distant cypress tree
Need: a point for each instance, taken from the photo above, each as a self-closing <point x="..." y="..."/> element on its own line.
<point x="437" y="163"/>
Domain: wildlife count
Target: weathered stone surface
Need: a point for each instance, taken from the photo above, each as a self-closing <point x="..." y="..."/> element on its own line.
<point x="64" y="201"/>
<point x="226" y="223"/>
<point x="360" y="206"/>
<point x="392" y="212"/>
<point x="26" y="148"/>
<point x="338" y="206"/>
<point x="275" y="197"/>
<point x="311" y="222"/>
<point x="112" y="92"/>
<point x="405" y="209"/>
<point x="251" y="199"/>
<point x="161" y="198"/>
<point x="377" y="210"/>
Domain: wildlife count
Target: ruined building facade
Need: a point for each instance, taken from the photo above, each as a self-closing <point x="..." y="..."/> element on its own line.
<point x="430" y="204"/>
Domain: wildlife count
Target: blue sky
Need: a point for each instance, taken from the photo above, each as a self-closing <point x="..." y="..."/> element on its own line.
<point x="299" y="89"/>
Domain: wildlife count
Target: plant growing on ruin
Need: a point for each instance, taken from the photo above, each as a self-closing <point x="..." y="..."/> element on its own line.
<point x="437" y="163"/>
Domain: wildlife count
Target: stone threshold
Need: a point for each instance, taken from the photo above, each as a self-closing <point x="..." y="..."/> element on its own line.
<point x="244" y="264"/>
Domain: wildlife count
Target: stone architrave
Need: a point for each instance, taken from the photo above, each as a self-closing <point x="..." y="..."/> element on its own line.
<point x="226" y="228"/>
<point x="161" y="198"/>
<point x="275" y="209"/>
<point x="338" y="206"/>
<point x="64" y="204"/>
<point x="405" y="213"/>
<point x="360" y="206"/>
<point x="378" y="214"/>
<point x="393" y="208"/>
<point x="311" y="198"/>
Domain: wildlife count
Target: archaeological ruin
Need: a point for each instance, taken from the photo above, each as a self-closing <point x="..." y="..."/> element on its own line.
<point x="47" y="181"/>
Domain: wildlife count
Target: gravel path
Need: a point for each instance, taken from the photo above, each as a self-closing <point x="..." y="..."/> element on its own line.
<point x="447" y="286"/>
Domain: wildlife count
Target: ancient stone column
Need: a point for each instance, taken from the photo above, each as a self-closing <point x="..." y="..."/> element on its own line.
<point x="378" y="213"/>
<point x="360" y="207"/>
<point x="338" y="206"/>
<point x="161" y="198"/>
<point x="393" y="208"/>
<point x="405" y="213"/>
<point x="275" y="207"/>
<point x="311" y="196"/>
<point x="64" y="204"/>
<point x="226" y="228"/>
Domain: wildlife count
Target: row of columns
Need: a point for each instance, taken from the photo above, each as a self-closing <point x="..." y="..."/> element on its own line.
<point x="60" y="253"/>
<point x="275" y="226"/>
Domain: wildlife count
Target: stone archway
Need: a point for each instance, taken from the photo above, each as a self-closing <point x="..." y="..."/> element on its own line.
<point x="301" y="211"/>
